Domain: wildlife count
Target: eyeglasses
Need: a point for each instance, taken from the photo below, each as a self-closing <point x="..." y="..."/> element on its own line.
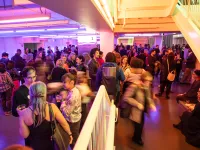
<point x="29" y="78"/>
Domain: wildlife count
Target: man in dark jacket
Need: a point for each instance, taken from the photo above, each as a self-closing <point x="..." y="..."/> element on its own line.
<point x="191" y="94"/>
<point x="93" y="66"/>
<point x="111" y="62"/>
<point x="151" y="59"/>
<point x="18" y="60"/>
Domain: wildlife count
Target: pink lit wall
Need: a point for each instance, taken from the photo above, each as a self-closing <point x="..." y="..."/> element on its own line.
<point x="10" y="45"/>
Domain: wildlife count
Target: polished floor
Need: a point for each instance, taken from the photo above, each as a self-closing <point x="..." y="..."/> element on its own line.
<point x="158" y="132"/>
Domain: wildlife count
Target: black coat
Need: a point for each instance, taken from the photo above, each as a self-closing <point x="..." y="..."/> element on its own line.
<point x="191" y="61"/>
<point x="164" y="69"/>
<point x="190" y="126"/>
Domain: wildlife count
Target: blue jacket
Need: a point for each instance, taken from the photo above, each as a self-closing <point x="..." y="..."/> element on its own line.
<point x="119" y="75"/>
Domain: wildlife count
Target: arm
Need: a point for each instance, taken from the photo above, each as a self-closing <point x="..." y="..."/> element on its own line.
<point x="68" y="109"/>
<point x="128" y="96"/>
<point x="59" y="117"/>
<point x="23" y="129"/>
<point x="91" y="68"/>
<point x="126" y="73"/>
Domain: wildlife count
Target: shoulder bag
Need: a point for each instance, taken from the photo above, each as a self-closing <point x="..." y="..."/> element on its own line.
<point x="60" y="137"/>
<point x="171" y="75"/>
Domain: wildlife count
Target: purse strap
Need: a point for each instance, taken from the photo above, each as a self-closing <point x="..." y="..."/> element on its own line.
<point x="52" y="118"/>
<point x="168" y="65"/>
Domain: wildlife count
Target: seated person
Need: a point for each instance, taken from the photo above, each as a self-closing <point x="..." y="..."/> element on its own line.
<point x="190" y="123"/>
<point x="191" y="95"/>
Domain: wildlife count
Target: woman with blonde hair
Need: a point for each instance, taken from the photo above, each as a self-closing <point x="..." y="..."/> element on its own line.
<point x="124" y="63"/>
<point x="35" y="122"/>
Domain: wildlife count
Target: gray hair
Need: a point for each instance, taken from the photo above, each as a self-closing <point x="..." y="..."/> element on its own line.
<point x="38" y="92"/>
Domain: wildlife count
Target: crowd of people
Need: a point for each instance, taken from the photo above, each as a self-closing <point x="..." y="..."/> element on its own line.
<point x="63" y="84"/>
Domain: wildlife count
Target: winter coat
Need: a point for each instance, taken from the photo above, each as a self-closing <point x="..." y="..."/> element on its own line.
<point x="134" y="95"/>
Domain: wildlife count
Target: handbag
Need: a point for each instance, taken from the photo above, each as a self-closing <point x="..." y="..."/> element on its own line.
<point x="60" y="137"/>
<point x="171" y="75"/>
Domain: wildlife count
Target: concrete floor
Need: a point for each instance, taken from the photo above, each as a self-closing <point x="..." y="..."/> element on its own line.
<point x="158" y="131"/>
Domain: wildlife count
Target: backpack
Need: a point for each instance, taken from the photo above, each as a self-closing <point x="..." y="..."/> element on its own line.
<point x="109" y="79"/>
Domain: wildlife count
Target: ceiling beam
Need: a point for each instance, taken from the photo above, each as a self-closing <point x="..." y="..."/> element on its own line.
<point x="170" y="27"/>
<point x="34" y="24"/>
<point x="146" y="20"/>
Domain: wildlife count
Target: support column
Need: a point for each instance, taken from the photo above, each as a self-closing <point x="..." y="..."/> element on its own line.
<point x="158" y="41"/>
<point x="106" y="42"/>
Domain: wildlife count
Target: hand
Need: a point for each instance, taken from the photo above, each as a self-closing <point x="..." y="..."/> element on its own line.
<point x="153" y="107"/>
<point x="140" y="106"/>
<point x="71" y="139"/>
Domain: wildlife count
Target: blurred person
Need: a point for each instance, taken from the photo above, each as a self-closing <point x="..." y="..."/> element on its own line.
<point x="80" y="64"/>
<point x="64" y="59"/>
<point x="133" y="74"/>
<point x="6" y="86"/>
<point x="58" y="71"/>
<point x="71" y="60"/>
<point x="14" y="75"/>
<point x="168" y="66"/>
<point x="122" y="50"/>
<point x="42" y="70"/>
<point x="142" y="56"/>
<point x="151" y="59"/>
<point x="86" y="96"/>
<point x="190" y="66"/>
<point x="100" y="59"/>
<point x="114" y="81"/>
<point x="118" y="58"/>
<point x="131" y="54"/>
<point x="179" y="61"/>
<point x="71" y="106"/>
<point x="93" y="66"/>
<point x="19" y="62"/>
<point x="138" y="95"/>
<point x="190" y="96"/>
<point x="4" y="58"/>
<point x="26" y="50"/>
<point x="190" y="122"/>
<point x="124" y="63"/>
<point x="35" y="122"/>
<point x="57" y="54"/>
<point x="87" y="58"/>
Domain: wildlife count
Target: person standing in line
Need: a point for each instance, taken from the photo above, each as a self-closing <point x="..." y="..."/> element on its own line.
<point x="6" y="86"/>
<point x="19" y="62"/>
<point x="93" y="66"/>
<point x="71" y="106"/>
<point x="168" y="65"/>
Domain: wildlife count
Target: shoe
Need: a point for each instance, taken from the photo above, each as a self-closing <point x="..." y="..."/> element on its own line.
<point x="176" y="126"/>
<point x="167" y="97"/>
<point x="158" y="94"/>
<point x="139" y="142"/>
